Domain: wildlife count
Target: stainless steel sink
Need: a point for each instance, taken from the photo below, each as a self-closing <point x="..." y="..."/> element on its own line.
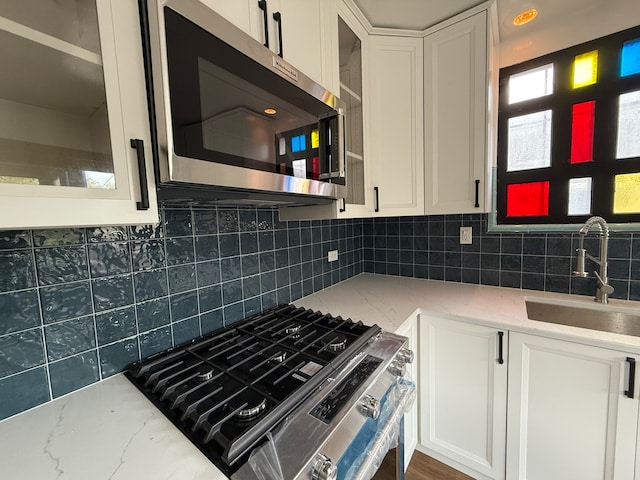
<point x="614" y="318"/>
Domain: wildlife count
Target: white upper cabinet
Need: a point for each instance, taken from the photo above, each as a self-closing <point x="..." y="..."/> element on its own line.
<point x="571" y="414"/>
<point x="395" y="125"/>
<point x="455" y="115"/>
<point x="72" y="109"/>
<point x="293" y="29"/>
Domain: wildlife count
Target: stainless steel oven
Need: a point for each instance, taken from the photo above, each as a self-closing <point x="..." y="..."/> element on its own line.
<point x="288" y="394"/>
<point x="231" y="117"/>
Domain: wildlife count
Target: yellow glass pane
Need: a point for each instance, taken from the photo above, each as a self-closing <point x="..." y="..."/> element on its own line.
<point x="585" y="69"/>
<point x="626" y="196"/>
<point x="315" y="139"/>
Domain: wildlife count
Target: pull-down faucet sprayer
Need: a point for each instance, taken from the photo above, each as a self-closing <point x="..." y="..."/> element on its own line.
<point x="604" y="289"/>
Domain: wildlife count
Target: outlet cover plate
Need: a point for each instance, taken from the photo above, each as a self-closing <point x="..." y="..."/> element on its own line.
<point x="332" y="256"/>
<point x="466" y="235"/>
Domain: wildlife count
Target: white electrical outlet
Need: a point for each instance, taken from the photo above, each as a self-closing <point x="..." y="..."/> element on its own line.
<point x="466" y="235"/>
<point x="332" y="256"/>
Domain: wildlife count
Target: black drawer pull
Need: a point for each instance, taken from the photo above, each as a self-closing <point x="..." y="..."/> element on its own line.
<point x="500" y="353"/>
<point x="278" y="18"/>
<point x="377" y="199"/>
<point x="632" y="377"/>
<point x="477" y="204"/>
<point x="143" y="204"/>
<point x="262" y="5"/>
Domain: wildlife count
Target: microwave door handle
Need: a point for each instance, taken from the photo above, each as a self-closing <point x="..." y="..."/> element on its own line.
<point x="335" y="159"/>
<point x="342" y="151"/>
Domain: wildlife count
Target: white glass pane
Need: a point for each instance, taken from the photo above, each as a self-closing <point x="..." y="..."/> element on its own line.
<point x="580" y="196"/>
<point x="533" y="83"/>
<point x="628" y="144"/>
<point x="54" y="123"/>
<point x="300" y="168"/>
<point x="529" y="141"/>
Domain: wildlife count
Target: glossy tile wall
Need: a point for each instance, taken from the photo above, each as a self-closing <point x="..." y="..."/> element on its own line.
<point x="429" y="247"/>
<point x="78" y="305"/>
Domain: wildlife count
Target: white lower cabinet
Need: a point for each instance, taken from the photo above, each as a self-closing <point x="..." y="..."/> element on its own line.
<point x="569" y="416"/>
<point x="410" y="330"/>
<point x="463" y="392"/>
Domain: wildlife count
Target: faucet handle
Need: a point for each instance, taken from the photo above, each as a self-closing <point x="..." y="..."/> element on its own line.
<point x="604" y="286"/>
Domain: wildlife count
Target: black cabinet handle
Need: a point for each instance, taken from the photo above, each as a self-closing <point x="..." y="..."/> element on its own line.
<point x="477" y="204"/>
<point x="377" y="199"/>
<point x="500" y="354"/>
<point x="278" y="18"/>
<point x="632" y="377"/>
<point x="344" y="205"/>
<point x="262" y="5"/>
<point x="143" y="204"/>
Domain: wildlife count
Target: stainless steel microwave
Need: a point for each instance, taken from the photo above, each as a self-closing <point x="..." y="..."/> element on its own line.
<point x="231" y="121"/>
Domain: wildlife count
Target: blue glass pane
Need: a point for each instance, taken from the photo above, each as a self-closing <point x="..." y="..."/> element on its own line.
<point x="630" y="59"/>
<point x="298" y="143"/>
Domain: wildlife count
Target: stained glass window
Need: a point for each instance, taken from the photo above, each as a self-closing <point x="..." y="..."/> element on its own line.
<point x="579" y="196"/>
<point x="529" y="141"/>
<point x="528" y="199"/>
<point x="630" y="58"/>
<point x="585" y="69"/>
<point x="628" y="143"/>
<point x="582" y="120"/>
<point x="626" y="198"/>
<point x="298" y="143"/>
<point x="569" y="135"/>
<point x="533" y="83"/>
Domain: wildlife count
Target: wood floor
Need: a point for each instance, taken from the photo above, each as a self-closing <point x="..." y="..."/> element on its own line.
<point x="421" y="467"/>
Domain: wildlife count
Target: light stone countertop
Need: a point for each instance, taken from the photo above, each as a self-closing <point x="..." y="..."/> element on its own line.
<point x="107" y="431"/>
<point x="390" y="301"/>
<point x="110" y="431"/>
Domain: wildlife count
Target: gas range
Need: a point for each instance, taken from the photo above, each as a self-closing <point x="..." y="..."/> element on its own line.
<point x="282" y="393"/>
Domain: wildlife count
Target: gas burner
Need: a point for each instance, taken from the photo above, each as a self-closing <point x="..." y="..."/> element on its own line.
<point x="335" y="343"/>
<point x="254" y="405"/>
<point x="293" y="330"/>
<point x="279" y="357"/>
<point x="205" y="375"/>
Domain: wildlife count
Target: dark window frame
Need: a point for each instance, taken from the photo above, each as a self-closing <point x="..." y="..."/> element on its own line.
<point x="605" y="166"/>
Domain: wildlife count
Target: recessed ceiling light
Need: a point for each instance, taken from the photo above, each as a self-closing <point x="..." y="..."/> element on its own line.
<point x="525" y="17"/>
<point x="270" y="111"/>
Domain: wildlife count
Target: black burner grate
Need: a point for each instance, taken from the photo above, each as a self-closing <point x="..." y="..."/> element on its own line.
<point x="226" y="390"/>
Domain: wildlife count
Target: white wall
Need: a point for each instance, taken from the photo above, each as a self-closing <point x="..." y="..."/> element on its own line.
<point x="566" y="31"/>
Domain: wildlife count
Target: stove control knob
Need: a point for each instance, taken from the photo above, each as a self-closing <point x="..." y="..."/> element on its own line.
<point x="397" y="368"/>
<point x="370" y="407"/>
<point x="405" y="355"/>
<point x="323" y="469"/>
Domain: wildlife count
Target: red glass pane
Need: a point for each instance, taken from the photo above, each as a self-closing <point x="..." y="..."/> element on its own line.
<point x="528" y="199"/>
<point x="582" y="132"/>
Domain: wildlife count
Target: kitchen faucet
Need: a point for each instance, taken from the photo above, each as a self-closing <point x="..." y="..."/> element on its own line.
<point x="604" y="289"/>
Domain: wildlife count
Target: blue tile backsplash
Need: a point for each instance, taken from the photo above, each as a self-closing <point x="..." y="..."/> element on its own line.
<point x="78" y="305"/>
<point x="429" y="247"/>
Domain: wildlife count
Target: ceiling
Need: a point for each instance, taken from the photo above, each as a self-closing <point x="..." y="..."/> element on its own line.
<point x="421" y="14"/>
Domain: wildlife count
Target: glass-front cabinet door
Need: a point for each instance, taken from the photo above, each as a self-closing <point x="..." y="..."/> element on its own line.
<point x="352" y="41"/>
<point x="73" y="116"/>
